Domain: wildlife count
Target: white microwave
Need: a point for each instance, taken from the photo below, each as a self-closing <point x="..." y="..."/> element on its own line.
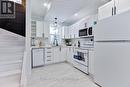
<point x="86" y="32"/>
<point x="83" y="32"/>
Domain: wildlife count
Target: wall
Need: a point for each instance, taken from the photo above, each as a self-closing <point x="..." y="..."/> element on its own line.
<point x="26" y="71"/>
<point x="88" y="20"/>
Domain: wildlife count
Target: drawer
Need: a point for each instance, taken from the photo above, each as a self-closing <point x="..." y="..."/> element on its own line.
<point x="48" y="50"/>
<point x="48" y="60"/>
<point x="48" y="54"/>
<point x="81" y="67"/>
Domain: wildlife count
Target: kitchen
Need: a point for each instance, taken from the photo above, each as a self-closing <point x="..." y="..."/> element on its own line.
<point x="60" y="37"/>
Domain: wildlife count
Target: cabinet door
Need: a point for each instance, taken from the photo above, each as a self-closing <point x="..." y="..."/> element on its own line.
<point x="38" y="57"/>
<point x="39" y="29"/>
<point x="62" y="56"/>
<point x="91" y="62"/>
<point x="56" y="55"/>
<point x="46" y="29"/>
<point x="66" y="32"/>
<point x="122" y="6"/>
<point x="63" y="33"/>
<point x="70" y="55"/>
<point x="106" y="10"/>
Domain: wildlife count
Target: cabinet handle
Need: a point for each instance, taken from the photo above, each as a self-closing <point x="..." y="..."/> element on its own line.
<point x="112" y="11"/>
<point x="48" y="60"/>
<point x="115" y="10"/>
<point x="60" y="49"/>
<point x="48" y="56"/>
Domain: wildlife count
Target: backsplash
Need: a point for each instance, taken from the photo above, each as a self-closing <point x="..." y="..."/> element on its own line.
<point x="82" y="42"/>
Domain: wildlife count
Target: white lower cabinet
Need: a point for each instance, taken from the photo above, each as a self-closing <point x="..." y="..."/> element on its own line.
<point x="59" y="54"/>
<point x="63" y="54"/>
<point x="70" y="52"/>
<point x="37" y="57"/>
<point x="48" y="56"/>
<point x="56" y="53"/>
<point x="91" y="62"/>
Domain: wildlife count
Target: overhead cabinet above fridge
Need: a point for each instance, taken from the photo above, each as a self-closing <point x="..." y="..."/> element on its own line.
<point x="112" y="8"/>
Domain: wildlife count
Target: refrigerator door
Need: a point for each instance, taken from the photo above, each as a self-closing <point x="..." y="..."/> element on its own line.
<point x="113" y="28"/>
<point x="112" y="64"/>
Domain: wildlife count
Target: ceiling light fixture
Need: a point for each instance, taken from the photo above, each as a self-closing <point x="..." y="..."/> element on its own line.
<point x="76" y="14"/>
<point x="45" y="4"/>
<point x="48" y="6"/>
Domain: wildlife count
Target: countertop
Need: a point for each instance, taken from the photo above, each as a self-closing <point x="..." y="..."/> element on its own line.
<point x="42" y="47"/>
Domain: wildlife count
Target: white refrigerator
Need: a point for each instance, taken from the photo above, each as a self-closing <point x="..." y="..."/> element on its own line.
<point x="112" y="51"/>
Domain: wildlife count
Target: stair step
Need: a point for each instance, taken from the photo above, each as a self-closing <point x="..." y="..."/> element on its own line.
<point x="11" y="44"/>
<point x="5" y="32"/>
<point x="8" y="73"/>
<point x="11" y="57"/>
<point x="10" y="81"/>
<point x="10" y="67"/>
<point x="11" y="50"/>
<point x="10" y="62"/>
<point x="10" y="38"/>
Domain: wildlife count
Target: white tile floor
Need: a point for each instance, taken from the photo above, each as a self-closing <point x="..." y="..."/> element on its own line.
<point x="59" y="75"/>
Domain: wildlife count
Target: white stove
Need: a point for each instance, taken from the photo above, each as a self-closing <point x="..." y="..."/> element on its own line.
<point x="80" y="60"/>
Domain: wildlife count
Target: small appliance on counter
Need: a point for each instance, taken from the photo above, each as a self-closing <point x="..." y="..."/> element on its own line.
<point x="68" y="42"/>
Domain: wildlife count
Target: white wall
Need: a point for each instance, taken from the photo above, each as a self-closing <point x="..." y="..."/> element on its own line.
<point x="88" y="19"/>
<point x="26" y="72"/>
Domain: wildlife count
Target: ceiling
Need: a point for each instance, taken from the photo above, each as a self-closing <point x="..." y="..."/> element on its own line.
<point x="38" y="9"/>
<point x="64" y="10"/>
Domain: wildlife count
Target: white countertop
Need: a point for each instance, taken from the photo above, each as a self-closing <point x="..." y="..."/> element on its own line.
<point x="41" y="47"/>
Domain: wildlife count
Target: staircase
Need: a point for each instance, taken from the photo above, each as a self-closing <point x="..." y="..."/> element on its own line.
<point x="11" y="58"/>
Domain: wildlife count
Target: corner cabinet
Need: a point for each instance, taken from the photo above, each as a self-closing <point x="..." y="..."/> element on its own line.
<point x="112" y="8"/>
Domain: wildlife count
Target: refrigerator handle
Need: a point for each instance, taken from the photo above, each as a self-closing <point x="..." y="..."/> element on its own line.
<point x="112" y="11"/>
<point x="115" y="10"/>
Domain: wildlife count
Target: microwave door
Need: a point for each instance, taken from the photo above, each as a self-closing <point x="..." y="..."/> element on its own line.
<point x="83" y="32"/>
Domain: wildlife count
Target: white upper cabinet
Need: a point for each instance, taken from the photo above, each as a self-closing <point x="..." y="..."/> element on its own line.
<point x="66" y="32"/>
<point x="46" y="29"/>
<point x="122" y="6"/>
<point x="112" y="8"/>
<point x="106" y="10"/>
<point x="39" y="29"/>
<point x="62" y="32"/>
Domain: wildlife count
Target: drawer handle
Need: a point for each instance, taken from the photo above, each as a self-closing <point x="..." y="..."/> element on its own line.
<point x="48" y="56"/>
<point x="49" y="52"/>
<point x="48" y="60"/>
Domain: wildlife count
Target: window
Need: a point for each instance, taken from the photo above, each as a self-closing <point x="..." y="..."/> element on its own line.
<point x="55" y="35"/>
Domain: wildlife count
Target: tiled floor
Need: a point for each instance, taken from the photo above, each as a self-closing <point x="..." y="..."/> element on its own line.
<point x="59" y="75"/>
